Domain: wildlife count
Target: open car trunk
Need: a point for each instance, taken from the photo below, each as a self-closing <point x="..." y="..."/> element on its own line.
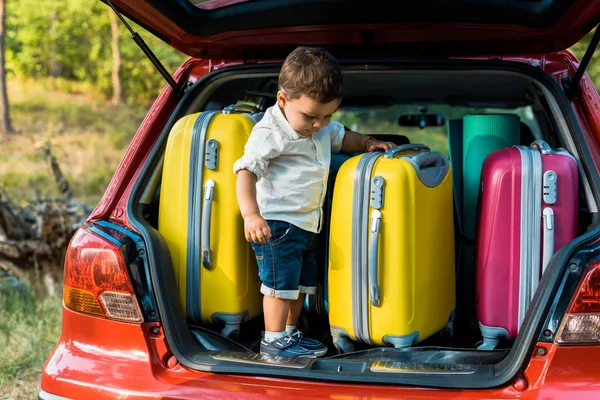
<point x="375" y="97"/>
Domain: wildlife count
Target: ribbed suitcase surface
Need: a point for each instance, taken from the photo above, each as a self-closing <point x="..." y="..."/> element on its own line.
<point x="391" y="251"/>
<point x="528" y="210"/>
<point x="201" y="222"/>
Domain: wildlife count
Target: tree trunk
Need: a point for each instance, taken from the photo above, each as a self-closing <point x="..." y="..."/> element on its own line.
<point x="5" y="125"/>
<point x="116" y="79"/>
<point x="56" y="69"/>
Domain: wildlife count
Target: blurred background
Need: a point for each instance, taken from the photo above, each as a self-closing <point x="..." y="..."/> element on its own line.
<point x="77" y="88"/>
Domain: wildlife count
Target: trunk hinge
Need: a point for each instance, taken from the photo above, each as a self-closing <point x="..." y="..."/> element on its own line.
<point x="142" y="45"/>
<point x="571" y="85"/>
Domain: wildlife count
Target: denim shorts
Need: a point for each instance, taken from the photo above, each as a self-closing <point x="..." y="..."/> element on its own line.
<point x="287" y="263"/>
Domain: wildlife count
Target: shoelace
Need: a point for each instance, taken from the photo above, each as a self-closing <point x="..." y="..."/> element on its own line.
<point x="288" y="340"/>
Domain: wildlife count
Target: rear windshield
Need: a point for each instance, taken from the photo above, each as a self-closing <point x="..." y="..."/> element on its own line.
<point x="386" y="121"/>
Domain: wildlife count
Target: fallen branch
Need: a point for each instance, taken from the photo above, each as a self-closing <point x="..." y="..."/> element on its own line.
<point x="33" y="240"/>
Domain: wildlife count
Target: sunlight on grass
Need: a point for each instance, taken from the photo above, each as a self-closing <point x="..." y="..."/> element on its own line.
<point x="29" y="330"/>
<point x="88" y="137"/>
<point x="87" y="161"/>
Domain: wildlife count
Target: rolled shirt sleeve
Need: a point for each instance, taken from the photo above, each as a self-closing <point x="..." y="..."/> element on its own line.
<point x="262" y="146"/>
<point x="337" y="136"/>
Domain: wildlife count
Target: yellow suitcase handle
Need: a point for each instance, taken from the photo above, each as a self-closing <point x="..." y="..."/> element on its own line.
<point x="394" y="151"/>
<point x="374" y="289"/>
<point x="209" y="193"/>
<point x="241" y="108"/>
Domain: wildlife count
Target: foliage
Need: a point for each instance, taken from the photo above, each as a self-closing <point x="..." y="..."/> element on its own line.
<point x="593" y="70"/>
<point x="70" y="40"/>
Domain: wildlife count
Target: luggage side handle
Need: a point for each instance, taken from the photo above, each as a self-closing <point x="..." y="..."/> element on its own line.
<point x="374" y="292"/>
<point x="548" y="249"/>
<point x="394" y="151"/>
<point x="209" y="192"/>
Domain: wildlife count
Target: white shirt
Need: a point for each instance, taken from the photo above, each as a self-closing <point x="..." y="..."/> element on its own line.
<point x="291" y="169"/>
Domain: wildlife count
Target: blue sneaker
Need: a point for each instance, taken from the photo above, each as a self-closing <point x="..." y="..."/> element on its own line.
<point x="284" y="346"/>
<point x="318" y="348"/>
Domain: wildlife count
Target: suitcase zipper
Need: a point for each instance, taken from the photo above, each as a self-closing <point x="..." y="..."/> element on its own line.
<point x="360" y="224"/>
<point x="536" y="216"/>
<point x="531" y="202"/>
<point x="195" y="200"/>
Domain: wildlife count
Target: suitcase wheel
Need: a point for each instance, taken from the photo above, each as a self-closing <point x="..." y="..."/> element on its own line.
<point x="448" y="331"/>
<point x="343" y="345"/>
<point x="231" y="331"/>
<point x="487" y="344"/>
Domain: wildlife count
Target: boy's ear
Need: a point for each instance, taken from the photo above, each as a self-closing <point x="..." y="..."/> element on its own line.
<point x="281" y="100"/>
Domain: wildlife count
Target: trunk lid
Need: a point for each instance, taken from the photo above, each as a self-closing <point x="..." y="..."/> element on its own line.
<point x="269" y="29"/>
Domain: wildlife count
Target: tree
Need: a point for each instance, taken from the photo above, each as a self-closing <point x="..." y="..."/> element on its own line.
<point x="77" y="36"/>
<point x="116" y="79"/>
<point x="5" y="125"/>
<point x="593" y="69"/>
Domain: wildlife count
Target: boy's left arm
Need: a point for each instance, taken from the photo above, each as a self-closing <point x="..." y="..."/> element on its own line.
<point x="355" y="142"/>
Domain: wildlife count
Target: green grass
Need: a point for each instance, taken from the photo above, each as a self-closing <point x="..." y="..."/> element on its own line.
<point x="29" y="330"/>
<point x="88" y="136"/>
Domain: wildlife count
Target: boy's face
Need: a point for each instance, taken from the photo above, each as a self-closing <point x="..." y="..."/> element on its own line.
<point x="306" y="115"/>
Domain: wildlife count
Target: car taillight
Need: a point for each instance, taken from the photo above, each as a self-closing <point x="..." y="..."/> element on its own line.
<point x="582" y="322"/>
<point x="96" y="280"/>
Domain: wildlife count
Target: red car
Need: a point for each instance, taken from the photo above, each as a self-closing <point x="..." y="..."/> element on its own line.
<point x="125" y="333"/>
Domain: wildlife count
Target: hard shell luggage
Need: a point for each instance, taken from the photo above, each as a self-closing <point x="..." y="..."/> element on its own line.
<point x="528" y="210"/>
<point x="200" y="219"/>
<point x="318" y="303"/>
<point x="391" y="252"/>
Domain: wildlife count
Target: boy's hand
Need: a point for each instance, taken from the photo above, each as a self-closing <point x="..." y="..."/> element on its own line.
<point x="256" y="229"/>
<point x="373" y="144"/>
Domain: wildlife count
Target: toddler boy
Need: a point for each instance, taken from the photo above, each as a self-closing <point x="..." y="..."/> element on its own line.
<point x="281" y="184"/>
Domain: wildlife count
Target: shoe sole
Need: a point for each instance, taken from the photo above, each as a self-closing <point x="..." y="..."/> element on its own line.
<point x="309" y="355"/>
<point x="319" y="353"/>
<point x="262" y="353"/>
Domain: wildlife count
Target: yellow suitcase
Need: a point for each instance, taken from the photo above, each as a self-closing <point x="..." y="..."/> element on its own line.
<point x="200" y="219"/>
<point x="391" y="253"/>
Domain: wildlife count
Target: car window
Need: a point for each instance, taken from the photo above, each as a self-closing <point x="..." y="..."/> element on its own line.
<point x="381" y="121"/>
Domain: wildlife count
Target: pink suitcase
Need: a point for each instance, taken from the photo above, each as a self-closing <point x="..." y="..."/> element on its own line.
<point x="527" y="211"/>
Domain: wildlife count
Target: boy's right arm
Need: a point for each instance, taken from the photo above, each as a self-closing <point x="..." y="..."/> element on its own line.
<point x="256" y="228"/>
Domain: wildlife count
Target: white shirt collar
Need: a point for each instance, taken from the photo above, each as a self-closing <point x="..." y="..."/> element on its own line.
<point x="283" y="123"/>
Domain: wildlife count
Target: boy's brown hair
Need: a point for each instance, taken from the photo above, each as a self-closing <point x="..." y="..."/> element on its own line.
<point x="313" y="72"/>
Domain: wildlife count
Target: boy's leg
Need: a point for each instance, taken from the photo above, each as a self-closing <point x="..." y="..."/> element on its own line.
<point x="308" y="284"/>
<point x="295" y="308"/>
<point x="276" y="312"/>
<point x="280" y="264"/>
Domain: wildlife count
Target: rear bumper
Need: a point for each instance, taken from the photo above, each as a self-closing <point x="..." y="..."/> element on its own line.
<point x="100" y="359"/>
